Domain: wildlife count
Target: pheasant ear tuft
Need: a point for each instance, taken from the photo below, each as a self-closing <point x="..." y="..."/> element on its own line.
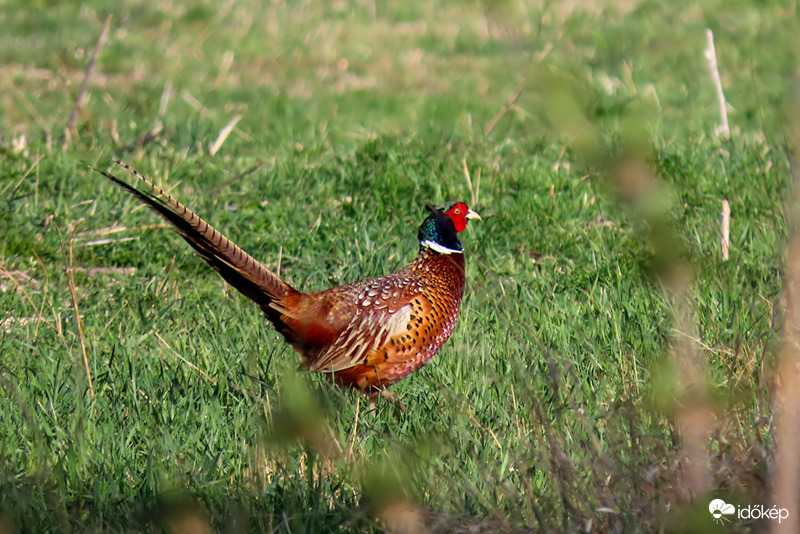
<point x="431" y="208"/>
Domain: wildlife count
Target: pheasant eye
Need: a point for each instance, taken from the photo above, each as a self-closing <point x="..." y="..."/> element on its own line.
<point x="457" y="211"/>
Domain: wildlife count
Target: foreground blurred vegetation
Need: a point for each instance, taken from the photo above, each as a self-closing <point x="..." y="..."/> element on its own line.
<point x="603" y="347"/>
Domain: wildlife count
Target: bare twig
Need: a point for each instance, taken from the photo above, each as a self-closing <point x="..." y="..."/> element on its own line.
<point x="223" y="135"/>
<point x="725" y="229"/>
<point x="711" y="56"/>
<point x="82" y="93"/>
<point x="510" y="104"/>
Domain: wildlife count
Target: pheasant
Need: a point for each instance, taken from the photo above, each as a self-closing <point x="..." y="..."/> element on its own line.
<point x="367" y="335"/>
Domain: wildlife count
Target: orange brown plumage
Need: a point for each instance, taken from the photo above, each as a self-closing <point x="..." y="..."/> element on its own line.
<point x="368" y="334"/>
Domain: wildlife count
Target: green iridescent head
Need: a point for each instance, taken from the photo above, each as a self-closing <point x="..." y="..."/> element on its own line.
<point x="439" y="232"/>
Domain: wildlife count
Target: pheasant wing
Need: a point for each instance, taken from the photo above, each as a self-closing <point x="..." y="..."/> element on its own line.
<point x="384" y="308"/>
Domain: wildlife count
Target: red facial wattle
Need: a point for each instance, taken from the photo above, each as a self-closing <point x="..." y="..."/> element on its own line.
<point x="458" y="214"/>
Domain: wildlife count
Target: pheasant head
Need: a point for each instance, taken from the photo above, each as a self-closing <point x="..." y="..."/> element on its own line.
<point x="439" y="231"/>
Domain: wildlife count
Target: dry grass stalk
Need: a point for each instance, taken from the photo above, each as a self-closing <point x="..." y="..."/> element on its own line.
<point x="474" y="192"/>
<point x="349" y="457"/>
<point x="223" y="135"/>
<point x="115" y="229"/>
<point x="106" y="241"/>
<point x="78" y="322"/>
<point x="9" y="323"/>
<point x="166" y="94"/>
<point x="184" y="360"/>
<point x="91" y="271"/>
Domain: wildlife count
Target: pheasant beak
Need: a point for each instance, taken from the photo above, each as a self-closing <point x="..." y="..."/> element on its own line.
<point x="473" y="215"/>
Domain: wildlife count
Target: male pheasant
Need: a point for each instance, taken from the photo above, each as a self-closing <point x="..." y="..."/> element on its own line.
<point x="366" y="335"/>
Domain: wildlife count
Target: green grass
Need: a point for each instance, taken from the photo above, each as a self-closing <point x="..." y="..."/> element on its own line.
<point x="552" y="406"/>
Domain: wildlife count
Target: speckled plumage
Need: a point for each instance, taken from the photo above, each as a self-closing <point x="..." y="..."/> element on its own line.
<point x="367" y="335"/>
<point x="397" y="322"/>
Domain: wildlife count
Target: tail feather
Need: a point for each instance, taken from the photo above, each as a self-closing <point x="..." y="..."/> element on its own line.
<point x="236" y="266"/>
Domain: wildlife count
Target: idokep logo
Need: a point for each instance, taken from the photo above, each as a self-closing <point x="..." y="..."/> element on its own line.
<point x="719" y="509"/>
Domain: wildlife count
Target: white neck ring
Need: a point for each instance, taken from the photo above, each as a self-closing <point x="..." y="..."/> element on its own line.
<point x="441" y="249"/>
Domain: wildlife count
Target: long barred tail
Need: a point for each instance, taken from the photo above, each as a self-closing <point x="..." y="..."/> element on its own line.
<point x="235" y="265"/>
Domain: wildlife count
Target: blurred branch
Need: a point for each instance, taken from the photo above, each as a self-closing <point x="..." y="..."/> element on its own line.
<point x="638" y="187"/>
<point x="620" y="154"/>
<point x="786" y="474"/>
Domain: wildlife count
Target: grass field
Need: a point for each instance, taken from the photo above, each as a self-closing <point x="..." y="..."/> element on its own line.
<point x="609" y="371"/>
